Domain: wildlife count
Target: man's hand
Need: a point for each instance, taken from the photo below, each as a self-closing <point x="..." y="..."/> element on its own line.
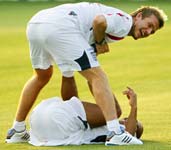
<point x="131" y="95"/>
<point x="104" y="48"/>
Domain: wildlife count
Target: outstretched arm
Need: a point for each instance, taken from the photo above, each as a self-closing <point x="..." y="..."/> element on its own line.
<point x="131" y="121"/>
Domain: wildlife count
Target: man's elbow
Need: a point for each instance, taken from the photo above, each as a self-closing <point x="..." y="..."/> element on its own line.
<point x="100" y="21"/>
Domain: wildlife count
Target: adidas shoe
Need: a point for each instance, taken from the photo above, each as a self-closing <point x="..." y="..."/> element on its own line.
<point x="124" y="138"/>
<point x="14" y="136"/>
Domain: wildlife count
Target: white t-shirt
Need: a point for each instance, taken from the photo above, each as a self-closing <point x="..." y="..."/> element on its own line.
<point x="118" y="22"/>
<point x="56" y="122"/>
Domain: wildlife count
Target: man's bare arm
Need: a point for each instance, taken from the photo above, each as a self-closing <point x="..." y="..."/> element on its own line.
<point x="131" y="121"/>
<point x="99" y="28"/>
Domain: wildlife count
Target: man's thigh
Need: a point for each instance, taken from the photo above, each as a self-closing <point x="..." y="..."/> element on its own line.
<point x="36" y="35"/>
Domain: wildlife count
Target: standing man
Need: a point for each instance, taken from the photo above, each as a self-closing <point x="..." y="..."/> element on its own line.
<point x="64" y="35"/>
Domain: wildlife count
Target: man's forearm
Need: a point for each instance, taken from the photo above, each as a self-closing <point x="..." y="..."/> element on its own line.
<point x="99" y="28"/>
<point x="131" y="122"/>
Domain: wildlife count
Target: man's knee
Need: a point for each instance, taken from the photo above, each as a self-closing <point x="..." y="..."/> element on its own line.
<point x="43" y="76"/>
<point x="94" y="75"/>
<point x="119" y="112"/>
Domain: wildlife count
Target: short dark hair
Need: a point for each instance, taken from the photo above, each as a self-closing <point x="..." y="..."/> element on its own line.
<point x="151" y="10"/>
<point x="139" y="129"/>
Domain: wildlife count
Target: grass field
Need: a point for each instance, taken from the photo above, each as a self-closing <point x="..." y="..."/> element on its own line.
<point x="144" y="65"/>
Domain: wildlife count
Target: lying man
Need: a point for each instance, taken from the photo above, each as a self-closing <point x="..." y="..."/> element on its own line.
<point x="56" y="122"/>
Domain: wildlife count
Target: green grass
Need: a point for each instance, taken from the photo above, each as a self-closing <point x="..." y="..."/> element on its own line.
<point x="144" y="65"/>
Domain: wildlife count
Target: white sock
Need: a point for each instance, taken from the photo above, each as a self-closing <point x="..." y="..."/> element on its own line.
<point x="113" y="125"/>
<point x="19" y="126"/>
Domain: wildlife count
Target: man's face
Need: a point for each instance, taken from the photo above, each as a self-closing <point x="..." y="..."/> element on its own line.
<point x="143" y="27"/>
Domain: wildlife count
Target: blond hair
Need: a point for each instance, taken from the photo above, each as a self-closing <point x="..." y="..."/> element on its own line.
<point x="151" y="10"/>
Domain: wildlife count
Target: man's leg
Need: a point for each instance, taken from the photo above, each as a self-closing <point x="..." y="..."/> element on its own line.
<point x="68" y="88"/>
<point x="118" y="108"/>
<point x="31" y="91"/>
<point x="102" y="93"/>
<point x="94" y="115"/>
<point x="27" y="99"/>
<point x="105" y="100"/>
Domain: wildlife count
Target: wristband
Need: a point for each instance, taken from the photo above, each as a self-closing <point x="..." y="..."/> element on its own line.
<point x="103" y="41"/>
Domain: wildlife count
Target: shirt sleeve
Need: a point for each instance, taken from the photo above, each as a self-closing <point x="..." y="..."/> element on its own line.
<point x="118" y="24"/>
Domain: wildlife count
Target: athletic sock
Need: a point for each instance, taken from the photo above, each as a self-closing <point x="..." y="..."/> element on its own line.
<point x="114" y="125"/>
<point x="19" y="126"/>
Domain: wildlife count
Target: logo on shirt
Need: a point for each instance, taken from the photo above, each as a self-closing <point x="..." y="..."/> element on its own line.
<point x="72" y="13"/>
<point x="92" y="53"/>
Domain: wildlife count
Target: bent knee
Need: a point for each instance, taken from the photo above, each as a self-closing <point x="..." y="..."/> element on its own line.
<point x="119" y="113"/>
<point x="43" y="76"/>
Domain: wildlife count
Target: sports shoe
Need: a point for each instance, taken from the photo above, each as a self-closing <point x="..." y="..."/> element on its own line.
<point x="14" y="136"/>
<point x="124" y="138"/>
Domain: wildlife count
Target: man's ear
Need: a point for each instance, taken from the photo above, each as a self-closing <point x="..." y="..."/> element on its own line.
<point x="138" y="16"/>
<point x="123" y="121"/>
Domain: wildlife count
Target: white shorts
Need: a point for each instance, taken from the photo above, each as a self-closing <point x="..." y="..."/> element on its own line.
<point x="62" y="43"/>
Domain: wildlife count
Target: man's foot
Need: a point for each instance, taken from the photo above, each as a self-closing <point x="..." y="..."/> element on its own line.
<point x="14" y="136"/>
<point x="122" y="139"/>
